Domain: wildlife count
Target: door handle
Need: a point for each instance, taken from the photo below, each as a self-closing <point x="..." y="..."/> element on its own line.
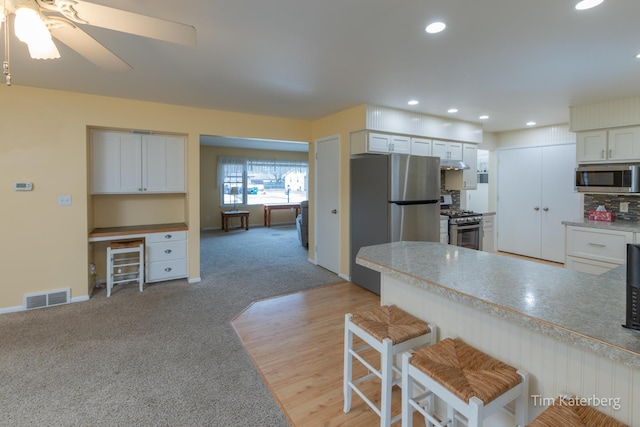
<point x="334" y="211"/>
<point x="537" y="208"/>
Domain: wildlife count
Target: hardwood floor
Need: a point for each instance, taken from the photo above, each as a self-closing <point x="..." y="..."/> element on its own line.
<point x="296" y="342"/>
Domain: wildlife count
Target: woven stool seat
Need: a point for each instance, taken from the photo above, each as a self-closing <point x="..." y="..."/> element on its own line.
<point x="466" y="371"/>
<point x="388" y="321"/>
<point x="390" y="331"/>
<point x="569" y="412"/>
<point x="471" y="383"/>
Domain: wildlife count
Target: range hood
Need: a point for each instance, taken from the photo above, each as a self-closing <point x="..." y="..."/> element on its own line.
<point x="453" y="165"/>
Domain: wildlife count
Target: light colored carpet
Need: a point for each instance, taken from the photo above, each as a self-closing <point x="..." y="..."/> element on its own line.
<point x="164" y="357"/>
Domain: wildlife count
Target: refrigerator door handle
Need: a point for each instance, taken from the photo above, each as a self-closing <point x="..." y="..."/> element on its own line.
<point x="414" y="202"/>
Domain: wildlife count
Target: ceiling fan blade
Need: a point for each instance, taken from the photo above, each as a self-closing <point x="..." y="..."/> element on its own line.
<point x="88" y="47"/>
<point x="133" y="23"/>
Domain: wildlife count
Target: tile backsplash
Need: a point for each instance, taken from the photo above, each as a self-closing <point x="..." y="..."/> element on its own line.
<point x="611" y="202"/>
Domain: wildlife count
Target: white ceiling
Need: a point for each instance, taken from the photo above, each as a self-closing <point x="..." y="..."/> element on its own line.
<point x="514" y="60"/>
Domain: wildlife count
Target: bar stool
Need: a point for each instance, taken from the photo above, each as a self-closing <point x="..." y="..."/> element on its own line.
<point x="125" y="263"/>
<point x="471" y="383"/>
<point x="568" y="411"/>
<point x="390" y="331"/>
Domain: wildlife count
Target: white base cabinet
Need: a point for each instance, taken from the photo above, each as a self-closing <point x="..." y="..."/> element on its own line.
<point x="488" y="233"/>
<point x="166" y="256"/>
<point x="444" y="231"/>
<point x="593" y="250"/>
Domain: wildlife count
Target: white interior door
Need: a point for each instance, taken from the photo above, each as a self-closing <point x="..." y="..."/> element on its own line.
<point x="519" y="199"/>
<point x="327" y="209"/>
<point x="560" y="202"/>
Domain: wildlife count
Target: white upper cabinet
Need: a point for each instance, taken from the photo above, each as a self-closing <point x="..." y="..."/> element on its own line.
<point x="466" y="179"/>
<point x="613" y="145"/>
<point x="371" y="142"/>
<point x="420" y="147"/>
<point x="446" y="150"/>
<point x="126" y="163"/>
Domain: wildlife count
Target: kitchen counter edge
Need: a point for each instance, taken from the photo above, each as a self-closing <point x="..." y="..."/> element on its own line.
<point x="406" y="261"/>
<point x="619" y="225"/>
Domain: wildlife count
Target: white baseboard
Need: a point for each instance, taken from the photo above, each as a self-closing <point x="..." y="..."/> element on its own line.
<point x="194" y="279"/>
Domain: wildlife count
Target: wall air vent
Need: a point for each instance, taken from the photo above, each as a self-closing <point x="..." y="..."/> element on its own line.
<point x="48" y="299"/>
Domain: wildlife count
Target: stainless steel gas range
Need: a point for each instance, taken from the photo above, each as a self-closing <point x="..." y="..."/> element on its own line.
<point x="465" y="227"/>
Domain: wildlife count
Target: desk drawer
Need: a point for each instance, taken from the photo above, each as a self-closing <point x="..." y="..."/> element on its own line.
<point x="165" y="270"/>
<point x="164" y="251"/>
<point x="167" y="236"/>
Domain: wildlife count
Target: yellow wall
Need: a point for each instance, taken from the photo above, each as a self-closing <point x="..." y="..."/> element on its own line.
<point x="210" y="192"/>
<point x="43" y="139"/>
<point x="342" y="124"/>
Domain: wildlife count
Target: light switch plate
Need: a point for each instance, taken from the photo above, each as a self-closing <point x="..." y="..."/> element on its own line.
<point x="64" y="200"/>
<point x="624" y="207"/>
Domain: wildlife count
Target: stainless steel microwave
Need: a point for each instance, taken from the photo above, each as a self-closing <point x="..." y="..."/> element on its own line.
<point x="608" y="179"/>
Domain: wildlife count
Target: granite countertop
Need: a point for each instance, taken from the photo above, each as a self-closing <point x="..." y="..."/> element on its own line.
<point x="574" y="307"/>
<point x="617" y="225"/>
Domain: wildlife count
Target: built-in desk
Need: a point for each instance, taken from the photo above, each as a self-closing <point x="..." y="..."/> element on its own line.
<point x="562" y="326"/>
<point x="165" y="247"/>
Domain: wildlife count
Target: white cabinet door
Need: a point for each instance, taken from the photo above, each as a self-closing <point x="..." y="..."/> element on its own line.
<point x="470" y="176"/>
<point x="535" y="194"/>
<point x="420" y="147"/>
<point x="447" y="150"/>
<point x="116" y="165"/>
<point x="591" y="146"/>
<point x="624" y="144"/>
<point x="400" y="144"/>
<point x="379" y="143"/>
<point x="163" y="169"/>
<point x="125" y="163"/>
<point x="559" y="200"/>
<point x="518" y="208"/>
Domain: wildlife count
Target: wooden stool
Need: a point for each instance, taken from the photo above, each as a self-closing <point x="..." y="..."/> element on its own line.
<point x="568" y="411"/>
<point x="470" y="382"/>
<point x="390" y="331"/>
<point x="125" y="263"/>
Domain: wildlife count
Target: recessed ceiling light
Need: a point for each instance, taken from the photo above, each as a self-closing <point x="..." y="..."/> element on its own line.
<point x="588" y="4"/>
<point x="485" y="117"/>
<point x="638" y="56"/>
<point x="531" y="123"/>
<point x="435" y="27"/>
<point x="413" y="102"/>
<point x="452" y="110"/>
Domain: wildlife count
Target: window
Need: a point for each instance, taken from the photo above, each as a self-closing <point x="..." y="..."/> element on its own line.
<point x="258" y="181"/>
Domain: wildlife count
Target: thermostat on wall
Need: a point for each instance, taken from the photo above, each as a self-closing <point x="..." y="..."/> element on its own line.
<point x="23" y="186"/>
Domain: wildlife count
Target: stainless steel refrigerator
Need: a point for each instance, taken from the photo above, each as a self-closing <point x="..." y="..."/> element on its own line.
<point x="394" y="197"/>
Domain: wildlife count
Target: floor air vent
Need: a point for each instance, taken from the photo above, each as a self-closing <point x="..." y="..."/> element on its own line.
<point x="46" y="299"/>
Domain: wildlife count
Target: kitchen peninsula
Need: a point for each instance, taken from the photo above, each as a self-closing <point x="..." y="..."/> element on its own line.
<point x="562" y="326"/>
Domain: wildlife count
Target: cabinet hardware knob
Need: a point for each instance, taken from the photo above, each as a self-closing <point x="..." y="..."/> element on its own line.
<point x="168" y="269"/>
<point x="168" y="251"/>
<point x="334" y="211"/>
<point x="168" y="236"/>
<point x="537" y="208"/>
<point x="546" y="209"/>
<point x="610" y="153"/>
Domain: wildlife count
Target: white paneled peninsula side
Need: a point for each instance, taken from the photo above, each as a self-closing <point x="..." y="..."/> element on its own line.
<point x="562" y="326"/>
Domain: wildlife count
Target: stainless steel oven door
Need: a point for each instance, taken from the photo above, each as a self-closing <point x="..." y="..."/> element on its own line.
<point x="467" y="235"/>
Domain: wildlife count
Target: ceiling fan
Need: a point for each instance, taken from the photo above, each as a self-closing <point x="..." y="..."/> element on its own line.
<point x="37" y="20"/>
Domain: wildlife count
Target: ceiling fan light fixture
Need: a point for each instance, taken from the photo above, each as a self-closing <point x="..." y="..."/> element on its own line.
<point x="31" y="29"/>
